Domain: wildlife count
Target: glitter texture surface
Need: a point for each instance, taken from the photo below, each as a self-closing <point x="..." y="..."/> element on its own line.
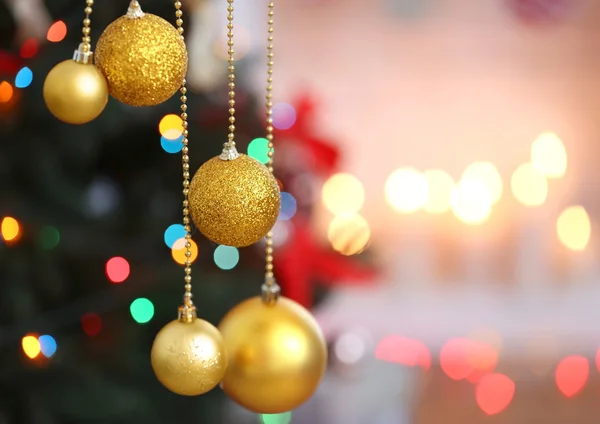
<point x="234" y="202"/>
<point x="144" y="59"/>
<point x="189" y="358"/>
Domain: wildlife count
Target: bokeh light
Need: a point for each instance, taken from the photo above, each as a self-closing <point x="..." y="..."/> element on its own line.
<point x="349" y="348"/>
<point x="284" y="418"/>
<point x="454" y="358"/>
<point x="406" y="190"/>
<point x="549" y="156"/>
<point x="284" y="116"/>
<point x="171" y="127"/>
<point x="23" y="78"/>
<point x="49" y="237"/>
<point x="439" y="191"/>
<point x="226" y="257"/>
<point x="494" y="392"/>
<point x="471" y="202"/>
<point x="57" y="32"/>
<point x="349" y="234"/>
<point x="282" y="231"/>
<point x="487" y="174"/>
<point x="529" y="186"/>
<point x="259" y="150"/>
<point x="48" y="345"/>
<point x="29" y="48"/>
<point x="178" y="251"/>
<point x="343" y="193"/>
<point x="10" y="228"/>
<point x="91" y="324"/>
<point x="174" y="233"/>
<point x="117" y="269"/>
<point x="288" y="208"/>
<point x="6" y="92"/>
<point x="171" y="146"/>
<point x="142" y="310"/>
<point x="572" y="374"/>
<point x="402" y="350"/>
<point x="573" y="228"/>
<point x="31" y="346"/>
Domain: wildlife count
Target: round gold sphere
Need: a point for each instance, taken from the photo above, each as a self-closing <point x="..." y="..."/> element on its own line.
<point x="277" y="355"/>
<point x="189" y="358"/>
<point x="75" y="93"/>
<point x="234" y="202"/>
<point x="144" y="59"/>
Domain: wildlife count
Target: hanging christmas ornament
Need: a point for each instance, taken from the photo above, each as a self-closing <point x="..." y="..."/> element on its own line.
<point x="188" y="355"/>
<point x="75" y="91"/>
<point x="277" y="351"/>
<point x="143" y="57"/>
<point x="234" y="199"/>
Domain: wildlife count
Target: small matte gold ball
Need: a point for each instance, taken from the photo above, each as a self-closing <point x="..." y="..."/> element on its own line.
<point x="189" y="358"/>
<point x="234" y="202"/>
<point x="75" y="93"/>
<point x="277" y="355"/>
<point x="144" y="59"/>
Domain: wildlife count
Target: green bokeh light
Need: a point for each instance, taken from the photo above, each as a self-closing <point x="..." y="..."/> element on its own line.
<point x="226" y="257"/>
<point x="49" y="237"/>
<point x="285" y="418"/>
<point x="259" y="149"/>
<point x="142" y="310"/>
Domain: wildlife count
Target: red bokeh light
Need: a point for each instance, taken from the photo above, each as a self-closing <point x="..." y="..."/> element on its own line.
<point x="404" y="351"/>
<point x="91" y="324"/>
<point x="454" y="358"/>
<point x="571" y="374"/>
<point x="29" y="48"/>
<point x="598" y="360"/>
<point x="117" y="269"/>
<point x="57" y="32"/>
<point x="494" y="392"/>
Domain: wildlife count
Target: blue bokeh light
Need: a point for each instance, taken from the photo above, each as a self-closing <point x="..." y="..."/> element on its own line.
<point x="288" y="207"/>
<point x="172" y="146"/>
<point x="23" y="78"/>
<point x="48" y="345"/>
<point x="174" y="233"/>
<point x="226" y="257"/>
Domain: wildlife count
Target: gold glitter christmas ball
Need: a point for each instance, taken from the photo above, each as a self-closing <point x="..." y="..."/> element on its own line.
<point x="234" y="202"/>
<point x="75" y="93"/>
<point x="277" y="355"/>
<point x="189" y="358"/>
<point x="143" y="58"/>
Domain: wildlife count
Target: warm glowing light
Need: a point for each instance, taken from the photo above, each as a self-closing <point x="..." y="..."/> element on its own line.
<point x="439" y="191"/>
<point x="171" y="127"/>
<point x="29" y="48"/>
<point x="574" y="228"/>
<point x="486" y="173"/>
<point x="401" y="350"/>
<point x="571" y="375"/>
<point x="471" y="202"/>
<point x="117" y="269"/>
<point x="349" y="234"/>
<point x="482" y="356"/>
<point x="91" y="324"/>
<point x="57" y="32"/>
<point x="549" y="156"/>
<point x="178" y="251"/>
<point x="9" y="228"/>
<point x="454" y="358"/>
<point x="6" y="92"/>
<point x="343" y="193"/>
<point x="529" y="186"/>
<point x="406" y="190"/>
<point x="31" y="346"/>
<point x="494" y="392"/>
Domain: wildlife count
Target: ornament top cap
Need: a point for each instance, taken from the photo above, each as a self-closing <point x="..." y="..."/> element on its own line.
<point x="229" y="152"/>
<point x="135" y="10"/>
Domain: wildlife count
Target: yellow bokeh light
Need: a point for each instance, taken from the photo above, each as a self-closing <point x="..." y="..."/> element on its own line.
<point x="439" y="190"/>
<point x="171" y="127"/>
<point x="349" y="234"/>
<point x="471" y="202"/>
<point x="9" y="228"/>
<point x="31" y="346"/>
<point x="178" y="251"/>
<point x="549" y="156"/>
<point x="406" y="190"/>
<point x="574" y="228"/>
<point x="343" y="193"/>
<point x="529" y="186"/>
<point x="488" y="174"/>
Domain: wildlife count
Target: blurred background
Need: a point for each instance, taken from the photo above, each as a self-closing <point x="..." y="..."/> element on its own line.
<point x="438" y="165"/>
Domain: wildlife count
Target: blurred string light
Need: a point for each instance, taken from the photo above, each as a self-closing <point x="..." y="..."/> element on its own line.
<point x="49" y="237"/>
<point x="91" y="324"/>
<point x="494" y="393"/>
<point x="549" y="156"/>
<point x="57" y="32"/>
<point x="171" y="127"/>
<point x="6" y="92"/>
<point x="343" y="193"/>
<point x="572" y="374"/>
<point x="406" y="190"/>
<point x="284" y="116"/>
<point x="171" y="146"/>
<point x="29" y="48"/>
<point x="349" y="234"/>
<point x="285" y="418"/>
<point x="471" y="202"/>
<point x="117" y="269"/>
<point x="573" y="228"/>
<point x="24" y="78"/>
<point x="178" y="251"/>
<point x="439" y="191"/>
<point x="349" y="348"/>
<point x="102" y="197"/>
<point x="488" y="175"/>
<point x="226" y="257"/>
<point x="288" y="208"/>
<point x="48" y="345"/>
<point x="282" y="231"/>
<point x="404" y="351"/>
<point x="174" y="233"/>
<point x="454" y="359"/>
<point x="142" y="310"/>
<point x="258" y="149"/>
<point x="10" y="228"/>
<point x="529" y="186"/>
<point x="31" y="346"/>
